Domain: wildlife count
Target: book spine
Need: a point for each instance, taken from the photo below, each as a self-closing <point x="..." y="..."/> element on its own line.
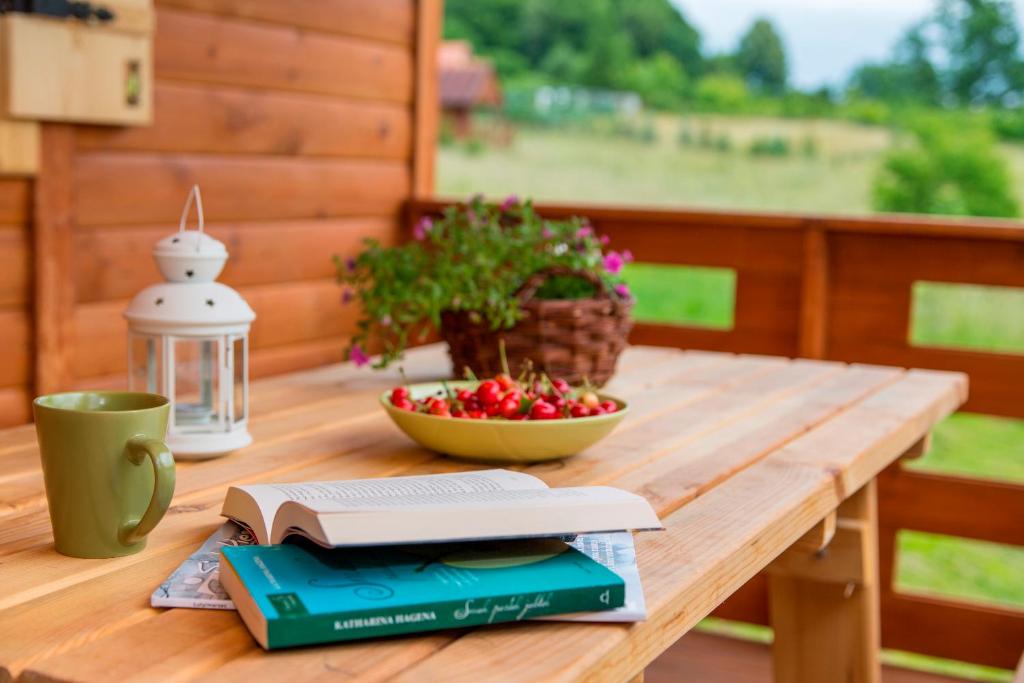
<point x="308" y="629"/>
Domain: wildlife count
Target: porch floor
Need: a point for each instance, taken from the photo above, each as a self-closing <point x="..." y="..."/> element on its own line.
<point x="705" y="658"/>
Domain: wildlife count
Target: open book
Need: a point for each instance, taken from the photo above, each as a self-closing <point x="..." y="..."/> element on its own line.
<point x="467" y="506"/>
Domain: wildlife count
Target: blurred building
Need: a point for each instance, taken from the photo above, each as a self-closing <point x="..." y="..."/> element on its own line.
<point x="467" y="82"/>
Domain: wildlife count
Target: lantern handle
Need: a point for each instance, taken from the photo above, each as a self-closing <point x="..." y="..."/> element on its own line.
<point x="194" y="192"/>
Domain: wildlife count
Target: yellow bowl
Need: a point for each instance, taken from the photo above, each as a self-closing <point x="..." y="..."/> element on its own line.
<point x="500" y="440"/>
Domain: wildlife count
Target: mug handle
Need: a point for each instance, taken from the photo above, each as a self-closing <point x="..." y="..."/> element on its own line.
<point x="136" y="450"/>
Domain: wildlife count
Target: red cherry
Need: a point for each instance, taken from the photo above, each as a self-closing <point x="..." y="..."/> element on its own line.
<point x="542" y="410"/>
<point x="459" y="413"/>
<point x="562" y="386"/>
<point x="493" y="410"/>
<point x="489" y="392"/>
<point x="439" y="407"/>
<point x="504" y="381"/>
<point x="519" y="416"/>
<point x="464" y="395"/>
<point x="476" y="414"/>
<point x="404" y="404"/>
<point x="509" y="406"/>
<point x="579" y="410"/>
<point x="609" y="406"/>
<point x="399" y="394"/>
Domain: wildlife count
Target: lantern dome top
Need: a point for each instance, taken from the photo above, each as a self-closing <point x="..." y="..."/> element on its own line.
<point x="202" y="308"/>
<point x="190" y="255"/>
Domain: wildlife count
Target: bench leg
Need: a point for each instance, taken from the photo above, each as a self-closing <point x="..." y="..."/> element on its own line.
<point x="824" y="602"/>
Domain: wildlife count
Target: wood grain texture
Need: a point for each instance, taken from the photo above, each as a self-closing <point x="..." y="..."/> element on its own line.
<point x="316" y="416"/>
<point x="54" y="212"/>
<point x="824" y="605"/>
<point x="286" y="313"/>
<point x="973" y="508"/>
<point x="15" y="266"/>
<point x="15" y="201"/>
<point x="197" y="47"/>
<point x="427" y="104"/>
<point x="261" y="253"/>
<point x="246" y="121"/>
<point x="234" y="188"/>
<point x="389" y="20"/>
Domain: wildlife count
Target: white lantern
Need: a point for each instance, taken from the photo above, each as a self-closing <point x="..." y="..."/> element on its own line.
<point x="188" y="339"/>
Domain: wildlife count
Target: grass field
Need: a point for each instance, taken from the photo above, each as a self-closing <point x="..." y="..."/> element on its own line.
<point x="588" y="167"/>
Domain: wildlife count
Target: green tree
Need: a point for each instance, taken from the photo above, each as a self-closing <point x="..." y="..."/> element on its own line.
<point x="949" y="168"/>
<point x="660" y="81"/>
<point x="966" y="53"/>
<point x="981" y="42"/>
<point x="722" y="93"/>
<point x="761" y="58"/>
<point x="655" y="26"/>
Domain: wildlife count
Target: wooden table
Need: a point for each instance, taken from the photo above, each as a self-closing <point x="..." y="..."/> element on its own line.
<point x="751" y="462"/>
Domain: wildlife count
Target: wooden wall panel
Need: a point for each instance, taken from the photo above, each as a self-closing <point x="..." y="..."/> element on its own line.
<point x="199" y="47"/>
<point x="261" y="252"/>
<point x="15" y="266"/>
<point x="286" y="313"/>
<point x="210" y="119"/>
<point x="15" y="298"/>
<point x="110" y="187"/>
<point x="296" y="120"/>
<point x="15" y="201"/>
<point x="386" y="20"/>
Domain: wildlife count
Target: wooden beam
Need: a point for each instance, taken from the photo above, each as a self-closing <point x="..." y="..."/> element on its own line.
<point x="427" y="105"/>
<point x="825" y="604"/>
<point x="814" y="294"/>
<point x="54" y="285"/>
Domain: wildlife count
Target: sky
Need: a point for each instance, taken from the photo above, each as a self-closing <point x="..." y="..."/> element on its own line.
<point x="825" y="39"/>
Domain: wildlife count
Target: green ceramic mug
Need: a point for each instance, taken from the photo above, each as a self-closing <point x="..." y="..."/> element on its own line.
<point x="104" y="496"/>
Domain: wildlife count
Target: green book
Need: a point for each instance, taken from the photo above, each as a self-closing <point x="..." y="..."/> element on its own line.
<point x="301" y="594"/>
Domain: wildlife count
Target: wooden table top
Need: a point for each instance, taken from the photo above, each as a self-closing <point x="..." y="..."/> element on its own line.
<point x="739" y="455"/>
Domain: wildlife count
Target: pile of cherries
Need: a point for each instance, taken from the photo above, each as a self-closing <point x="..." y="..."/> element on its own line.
<point x="504" y="398"/>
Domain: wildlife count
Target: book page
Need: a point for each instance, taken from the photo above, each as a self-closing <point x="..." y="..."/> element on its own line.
<point x="464" y="515"/>
<point x="394" y="489"/>
<point x="452" y="497"/>
<point x="268" y="498"/>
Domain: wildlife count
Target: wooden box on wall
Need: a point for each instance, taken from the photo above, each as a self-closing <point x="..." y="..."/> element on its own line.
<point x="63" y="69"/>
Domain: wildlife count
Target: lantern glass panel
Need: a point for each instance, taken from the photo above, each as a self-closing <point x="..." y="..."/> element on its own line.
<point x="240" y="385"/>
<point x="147" y="364"/>
<point x="197" y="384"/>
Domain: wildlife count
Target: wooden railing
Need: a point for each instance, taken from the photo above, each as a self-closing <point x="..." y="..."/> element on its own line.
<point x="840" y="288"/>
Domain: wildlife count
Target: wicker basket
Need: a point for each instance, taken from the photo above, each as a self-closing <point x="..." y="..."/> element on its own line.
<point x="576" y="339"/>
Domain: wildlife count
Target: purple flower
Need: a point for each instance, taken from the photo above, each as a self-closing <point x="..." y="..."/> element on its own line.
<point x="510" y="201"/>
<point x="604" y="240"/>
<point x="613" y="262"/>
<point x="623" y="291"/>
<point x="385" y="321"/>
<point x="347" y="295"/>
<point x="358" y="356"/>
<point x="350" y="263"/>
<point x="546" y="232"/>
<point x="585" y="231"/>
<point x="422" y="227"/>
<point x="627" y="256"/>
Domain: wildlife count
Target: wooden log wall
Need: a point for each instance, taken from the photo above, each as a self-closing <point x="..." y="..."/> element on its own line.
<point x="840" y="289"/>
<point x="307" y="124"/>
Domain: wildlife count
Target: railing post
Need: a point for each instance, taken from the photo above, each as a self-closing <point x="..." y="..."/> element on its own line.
<point x="813" y="291"/>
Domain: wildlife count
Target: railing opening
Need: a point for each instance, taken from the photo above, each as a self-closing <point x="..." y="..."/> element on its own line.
<point x="961" y="316"/>
<point x="974" y="445"/>
<point x="695" y="296"/>
<point x="960" y="568"/>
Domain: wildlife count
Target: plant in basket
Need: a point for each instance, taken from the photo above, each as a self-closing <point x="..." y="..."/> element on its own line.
<point x="486" y="273"/>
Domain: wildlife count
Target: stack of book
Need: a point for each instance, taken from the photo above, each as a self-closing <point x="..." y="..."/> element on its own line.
<point x="334" y="561"/>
